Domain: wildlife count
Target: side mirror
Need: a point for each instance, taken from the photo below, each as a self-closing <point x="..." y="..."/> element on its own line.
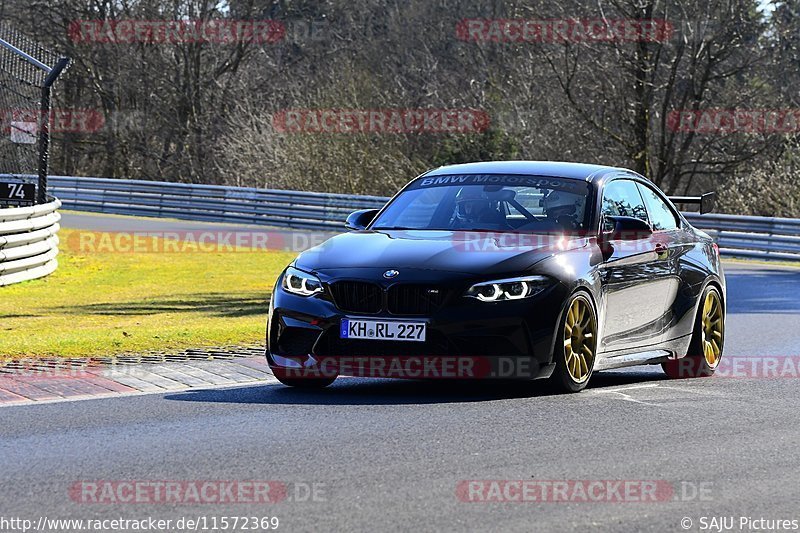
<point x="626" y="229"/>
<point x="358" y="220"/>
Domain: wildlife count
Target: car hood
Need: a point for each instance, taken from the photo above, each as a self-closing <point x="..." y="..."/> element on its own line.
<point x="462" y="251"/>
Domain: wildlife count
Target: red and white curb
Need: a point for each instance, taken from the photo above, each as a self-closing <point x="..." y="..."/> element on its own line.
<point x="59" y="385"/>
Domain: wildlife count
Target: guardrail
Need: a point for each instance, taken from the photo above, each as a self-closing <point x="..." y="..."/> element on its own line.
<point x="742" y="236"/>
<point x="213" y="203"/>
<point x="28" y="242"/>
<point x="753" y="237"/>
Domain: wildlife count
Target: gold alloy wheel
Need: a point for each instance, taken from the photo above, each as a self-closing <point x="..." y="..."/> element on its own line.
<point x="712" y="331"/>
<point x="580" y="339"/>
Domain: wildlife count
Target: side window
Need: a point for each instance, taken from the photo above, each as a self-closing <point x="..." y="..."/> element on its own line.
<point x="661" y="216"/>
<point x="622" y="198"/>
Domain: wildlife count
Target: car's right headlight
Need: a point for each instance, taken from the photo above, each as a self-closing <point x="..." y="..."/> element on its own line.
<point x="508" y="289"/>
<point x="301" y="283"/>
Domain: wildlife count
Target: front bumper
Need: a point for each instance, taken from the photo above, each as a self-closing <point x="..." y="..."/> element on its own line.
<point x="465" y="338"/>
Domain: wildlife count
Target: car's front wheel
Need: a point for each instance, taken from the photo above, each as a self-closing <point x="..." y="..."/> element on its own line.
<point x="705" y="348"/>
<point x="576" y="345"/>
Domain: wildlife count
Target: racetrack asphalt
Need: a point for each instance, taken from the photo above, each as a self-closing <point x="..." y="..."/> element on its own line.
<point x="390" y="454"/>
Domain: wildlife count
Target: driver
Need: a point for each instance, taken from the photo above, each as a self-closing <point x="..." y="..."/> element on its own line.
<point x="472" y="207"/>
<point x="561" y="208"/>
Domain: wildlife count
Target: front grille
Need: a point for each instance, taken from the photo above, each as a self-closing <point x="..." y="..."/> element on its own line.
<point x="414" y="299"/>
<point x="357" y="296"/>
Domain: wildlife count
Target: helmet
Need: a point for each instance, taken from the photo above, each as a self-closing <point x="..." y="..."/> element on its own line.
<point x="558" y="203"/>
<point x="471" y="203"/>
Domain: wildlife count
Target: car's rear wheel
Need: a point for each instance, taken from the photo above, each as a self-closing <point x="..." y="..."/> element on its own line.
<point x="705" y="348"/>
<point x="576" y="345"/>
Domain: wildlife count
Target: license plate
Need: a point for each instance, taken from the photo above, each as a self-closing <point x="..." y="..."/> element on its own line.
<point x="389" y="330"/>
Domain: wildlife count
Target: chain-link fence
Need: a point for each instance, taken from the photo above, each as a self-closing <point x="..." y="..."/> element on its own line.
<point x="27" y="74"/>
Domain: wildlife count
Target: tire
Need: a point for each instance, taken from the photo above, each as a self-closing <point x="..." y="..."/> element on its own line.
<point x="708" y="339"/>
<point x="575" y="347"/>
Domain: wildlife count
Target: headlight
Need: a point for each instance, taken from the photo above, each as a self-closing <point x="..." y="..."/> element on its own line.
<point x="508" y="289"/>
<point x="301" y="283"/>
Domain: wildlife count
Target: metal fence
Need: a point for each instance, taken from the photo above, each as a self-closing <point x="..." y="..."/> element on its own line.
<point x="28" y="242"/>
<point x="27" y="74"/>
<point x="742" y="236"/>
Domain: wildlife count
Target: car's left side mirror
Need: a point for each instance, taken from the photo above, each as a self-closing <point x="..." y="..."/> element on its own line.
<point x="358" y="220"/>
<point x="619" y="228"/>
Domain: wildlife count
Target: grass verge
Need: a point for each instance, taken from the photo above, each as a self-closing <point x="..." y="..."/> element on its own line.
<point x="111" y="303"/>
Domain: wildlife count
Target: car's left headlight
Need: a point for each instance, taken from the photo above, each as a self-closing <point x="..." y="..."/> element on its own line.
<point x="508" y="289"/>
<point x="301" y="283"/>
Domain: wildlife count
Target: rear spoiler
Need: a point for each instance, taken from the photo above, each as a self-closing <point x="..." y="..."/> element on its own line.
<point x="706" y="201"/>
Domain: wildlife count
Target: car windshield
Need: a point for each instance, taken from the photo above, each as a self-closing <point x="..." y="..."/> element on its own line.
<point x="489" y="202"/>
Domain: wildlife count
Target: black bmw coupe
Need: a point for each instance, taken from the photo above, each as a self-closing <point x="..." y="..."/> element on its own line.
<point x="515" y="270"/>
